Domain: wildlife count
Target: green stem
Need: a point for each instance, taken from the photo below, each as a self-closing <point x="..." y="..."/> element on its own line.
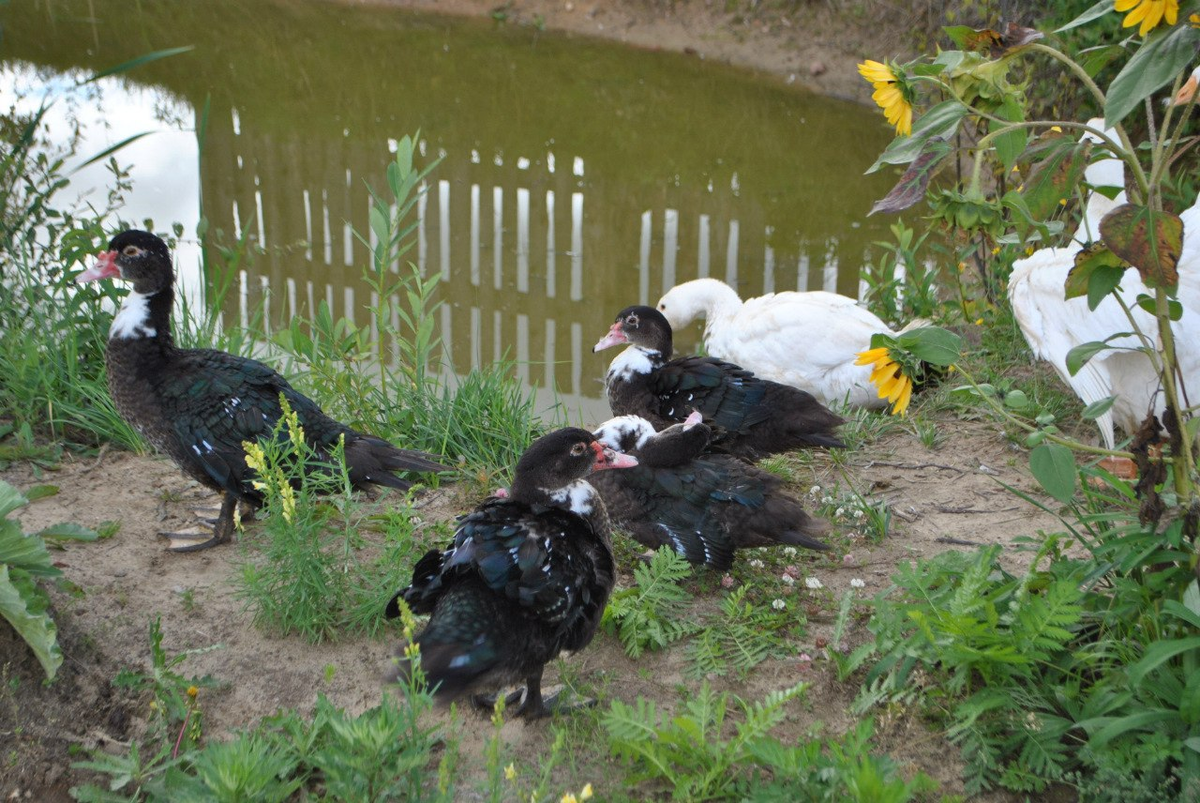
<point x="1050" y="436"/>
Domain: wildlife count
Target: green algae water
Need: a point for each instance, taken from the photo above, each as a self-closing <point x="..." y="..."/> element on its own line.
<point x="576" y="176"/>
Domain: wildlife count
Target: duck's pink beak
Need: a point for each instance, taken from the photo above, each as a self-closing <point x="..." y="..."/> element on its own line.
<point x="1186" y="92"/>
<point x="615" y="337"/>
<point x="692" y="420"/>
<point x="105" y="268"/>
<point x="611" y="458"/>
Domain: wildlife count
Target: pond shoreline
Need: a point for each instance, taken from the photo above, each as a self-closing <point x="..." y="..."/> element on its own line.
<point x="817" y="49"/>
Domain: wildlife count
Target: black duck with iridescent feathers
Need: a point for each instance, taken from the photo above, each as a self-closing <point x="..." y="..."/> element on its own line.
<point x="704" y="506"/>
<point x="526" y="576"/>
<point x="752" y="417"/>
<point x="200" y="405"/>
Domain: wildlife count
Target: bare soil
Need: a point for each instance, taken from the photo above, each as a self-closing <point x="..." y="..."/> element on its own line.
<point x="946" y="498"/>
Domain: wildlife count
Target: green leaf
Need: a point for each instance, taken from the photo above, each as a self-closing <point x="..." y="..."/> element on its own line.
<point x="1053" y="466"/>
<point x="10" y="500"/>
<point x="1149" y="239"/>
<point x="1016" y="399"/>
<point x="24" y="552"/>
<point x="40" y="492"/>
<point x="1165" y="54"/>
<point x="932" y="344"/>
<point x="1011" y="145"/>
<point x="20" y="606"/>
<point x="110" y="150"/>
<point x="1096" y="273"/>
<point x="1079" y="356"/>
<point x="911" y="187"/>
<point x="126" y="66"/>
<point x="1094" y="13"/>
<point x="1159" y="653"/>
<point x="940" y="122"/>
<point x="1098" y="408"/>
<point x="1174" y="308"/>
<point x="72" y="532"/>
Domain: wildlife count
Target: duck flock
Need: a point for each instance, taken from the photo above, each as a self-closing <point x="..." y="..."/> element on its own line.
<point x="530" y="569"/>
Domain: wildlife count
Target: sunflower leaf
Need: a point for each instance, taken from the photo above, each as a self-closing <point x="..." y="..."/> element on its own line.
<point x="1053" y="466"/>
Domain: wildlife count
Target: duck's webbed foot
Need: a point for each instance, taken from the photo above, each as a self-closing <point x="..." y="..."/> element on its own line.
<point x="199" y="539"/>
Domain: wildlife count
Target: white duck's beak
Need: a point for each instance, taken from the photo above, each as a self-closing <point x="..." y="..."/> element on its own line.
<point x="1187" y="92"/>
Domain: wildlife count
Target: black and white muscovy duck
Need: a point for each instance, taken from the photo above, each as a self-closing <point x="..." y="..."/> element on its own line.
<point x="527" y="576"/>
<point x="702" y="505"/>
<point x="199" y="405"/>
<point x="753" y="417"/>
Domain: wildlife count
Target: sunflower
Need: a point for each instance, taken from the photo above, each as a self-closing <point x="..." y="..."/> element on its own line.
<point x="891" y="94"/>
<point x="1148" y="12"/>
<point x="888" y="375"/>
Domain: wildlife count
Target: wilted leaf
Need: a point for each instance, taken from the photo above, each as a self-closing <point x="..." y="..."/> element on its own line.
<point x="911" y="187"/>
<point x="1147" y="239"/>
<point x="994" y="43"/>
<point x="1056" y="175"/>
<point x="1053" y="466"/>
<point x="1096" y="273"/>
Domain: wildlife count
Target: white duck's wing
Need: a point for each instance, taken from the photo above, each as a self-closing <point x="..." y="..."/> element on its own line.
<point x="807" y="340"/>
<point x="1053" y="325"/>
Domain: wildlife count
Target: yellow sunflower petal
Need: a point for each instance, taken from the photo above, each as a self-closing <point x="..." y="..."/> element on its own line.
<point x="1122" y="6"/>
<point x="901" y="404"/>
<point x="888" y="386"/>
<point x="883" y="372"/>
<point x="898" y="387"/>
<point x="870" y="355"/>
<point x="1172" y="12"/>
<point x="876" y="72"/>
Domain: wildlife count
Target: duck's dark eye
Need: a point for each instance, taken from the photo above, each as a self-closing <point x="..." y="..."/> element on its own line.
<point x="632" y="320"/>
<point x="131" y="251"/>
<point x="578" y="449"/>
<point x="662" y="307"/>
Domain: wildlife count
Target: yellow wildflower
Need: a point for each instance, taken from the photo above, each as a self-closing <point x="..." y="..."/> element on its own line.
<point x="192" y="691"/>
<point x="891" y="95"/>
<point x="586" y="792"/>
<point x="1194" y="20"/>
<point x="1147" y="12"/>
<point x="569" y="797"/>
<point x="510" y="772"/>
<point x="288" y="497"/>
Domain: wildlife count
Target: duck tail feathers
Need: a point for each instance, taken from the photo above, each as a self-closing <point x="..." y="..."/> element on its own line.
<point x="375" y="461"/>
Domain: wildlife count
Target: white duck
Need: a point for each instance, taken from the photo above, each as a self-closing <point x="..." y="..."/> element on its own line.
<point x="805" y="339"/>
<point x="1053" y="325"/>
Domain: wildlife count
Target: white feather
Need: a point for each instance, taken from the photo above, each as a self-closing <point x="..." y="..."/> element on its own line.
<point x="133" y="319"/>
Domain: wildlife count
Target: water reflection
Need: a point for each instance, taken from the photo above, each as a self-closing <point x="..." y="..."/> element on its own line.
<point x="576" y="177"/>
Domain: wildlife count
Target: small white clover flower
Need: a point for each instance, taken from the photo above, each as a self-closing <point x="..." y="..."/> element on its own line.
<point x="756" y="564"/>
<point x="779" y="605"/>
<point x="813" y="583"/>
<point x="789" y="580"/>
<point x="841" y="511"/>
<point x="813" y="491"/>
<point x="857" y="582"/>
<point x="827" y="500"/>
<point x="789" y="551"/>
<point x="858" y="514"/>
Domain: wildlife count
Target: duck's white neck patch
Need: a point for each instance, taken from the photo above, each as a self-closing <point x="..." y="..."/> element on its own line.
<point x="632" y="360"/>
<point x="133" y="319"/>
<point x="578" y="497"/>
<point x="617" y="433"/>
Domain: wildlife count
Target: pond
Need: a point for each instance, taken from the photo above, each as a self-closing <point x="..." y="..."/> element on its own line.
<point x="577" y="176"/>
